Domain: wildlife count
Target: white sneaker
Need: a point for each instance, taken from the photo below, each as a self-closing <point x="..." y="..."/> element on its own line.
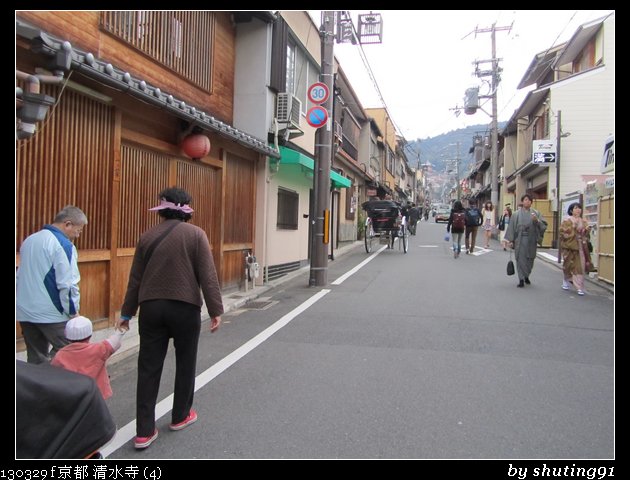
<point x="580" y="292"/>
<point x="565" y="285"/>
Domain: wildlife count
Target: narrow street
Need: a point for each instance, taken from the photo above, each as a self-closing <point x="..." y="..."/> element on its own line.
<point x="415" y="355"/>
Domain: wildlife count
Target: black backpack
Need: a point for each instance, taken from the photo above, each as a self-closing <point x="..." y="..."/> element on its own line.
<point x="473" y="217"/>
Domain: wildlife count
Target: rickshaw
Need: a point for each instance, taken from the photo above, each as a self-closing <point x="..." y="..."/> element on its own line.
<point x="59" y="414"/>
<point x="385" y="223"/>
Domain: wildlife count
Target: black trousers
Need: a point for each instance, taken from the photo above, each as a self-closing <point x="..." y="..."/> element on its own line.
<point x="160" y="320"/>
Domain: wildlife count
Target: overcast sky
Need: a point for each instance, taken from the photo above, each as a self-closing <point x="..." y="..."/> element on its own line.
<point x="425" y="62"/>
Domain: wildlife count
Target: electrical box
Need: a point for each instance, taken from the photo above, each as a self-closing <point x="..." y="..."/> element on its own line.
<point x="471" y="100"/>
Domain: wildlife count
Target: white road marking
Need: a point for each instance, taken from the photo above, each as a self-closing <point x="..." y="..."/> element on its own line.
<point x="128" y="432"/>
<point x="482" y="251"/>
<point x="341" y="279"/>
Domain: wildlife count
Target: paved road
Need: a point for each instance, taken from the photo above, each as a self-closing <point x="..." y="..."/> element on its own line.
<point x="411" y="356"/>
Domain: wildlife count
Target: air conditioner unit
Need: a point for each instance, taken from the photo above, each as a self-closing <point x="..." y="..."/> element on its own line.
<point x="338" y="131"/>
<point x="288" y="109"/>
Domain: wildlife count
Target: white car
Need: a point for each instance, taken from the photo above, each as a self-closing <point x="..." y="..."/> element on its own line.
<point x="442" y="214"/>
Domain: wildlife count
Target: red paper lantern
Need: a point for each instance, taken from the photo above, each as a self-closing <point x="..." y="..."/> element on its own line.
<point x="196" y="146"/>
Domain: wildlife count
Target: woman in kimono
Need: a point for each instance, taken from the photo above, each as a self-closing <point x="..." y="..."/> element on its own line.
<point x="524" y="232"/>
<point x="503" y="224"/>
<point x="574" y="238"/>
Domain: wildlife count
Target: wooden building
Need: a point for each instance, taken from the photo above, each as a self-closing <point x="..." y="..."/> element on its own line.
<point x="131" y="86"/>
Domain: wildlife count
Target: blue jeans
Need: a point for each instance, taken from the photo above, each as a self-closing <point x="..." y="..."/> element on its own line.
<point x="457" y="242"/>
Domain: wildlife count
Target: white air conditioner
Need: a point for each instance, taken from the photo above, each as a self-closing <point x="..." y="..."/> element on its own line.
<point x="288" y="109"/>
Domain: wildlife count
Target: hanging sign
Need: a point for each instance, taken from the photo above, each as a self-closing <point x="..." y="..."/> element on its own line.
<point x="544" y="152"/>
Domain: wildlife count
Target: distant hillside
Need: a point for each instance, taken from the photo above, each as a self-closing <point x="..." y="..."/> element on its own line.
<point x="436" y="150"/>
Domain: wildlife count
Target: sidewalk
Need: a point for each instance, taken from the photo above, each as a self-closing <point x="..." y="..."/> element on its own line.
<point x="550" y="255"/>
<point x="231" y="301"/>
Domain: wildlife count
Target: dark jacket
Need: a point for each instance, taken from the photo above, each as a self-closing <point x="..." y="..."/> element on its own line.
<point x="180" y="265"/>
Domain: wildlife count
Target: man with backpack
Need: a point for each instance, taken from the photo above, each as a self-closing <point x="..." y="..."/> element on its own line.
<point x="473" y="221"/>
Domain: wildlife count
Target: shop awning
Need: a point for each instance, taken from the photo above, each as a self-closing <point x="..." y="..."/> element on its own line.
<point x="288" y="156"/>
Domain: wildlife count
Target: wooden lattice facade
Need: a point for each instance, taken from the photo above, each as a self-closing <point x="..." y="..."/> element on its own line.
<point x="111" y="155"/>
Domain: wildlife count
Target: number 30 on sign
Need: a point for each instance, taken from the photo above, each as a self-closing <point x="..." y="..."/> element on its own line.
<point x="318" y="93"/>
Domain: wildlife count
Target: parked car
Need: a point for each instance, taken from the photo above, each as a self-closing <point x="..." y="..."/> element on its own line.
<point x="442" y="214"/>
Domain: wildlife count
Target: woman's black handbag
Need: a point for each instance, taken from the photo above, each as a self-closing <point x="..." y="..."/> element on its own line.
<point x="510" y="265"/>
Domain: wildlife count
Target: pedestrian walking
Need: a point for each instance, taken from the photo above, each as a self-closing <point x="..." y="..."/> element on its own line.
<point x="87" y="358"/>
<point x="473" y="221"/>
<point x="574" y="238"/>
<point x="525" y="231"/>
<point x="504" y="221"/>
<point x="47" y="287"/>
<point x="172" y="262"/>
<point x="414" y="218"/>
<point x="457" y="225"/>
<point x="488" y="222"/>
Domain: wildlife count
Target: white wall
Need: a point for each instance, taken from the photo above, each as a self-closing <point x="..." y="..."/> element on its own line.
<point x="288" y="245"/>
<point x="253" y="101"/>
<point x="587" y="102"/>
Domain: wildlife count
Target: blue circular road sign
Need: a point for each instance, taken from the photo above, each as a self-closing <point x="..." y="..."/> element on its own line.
<point x="317" y="116"/>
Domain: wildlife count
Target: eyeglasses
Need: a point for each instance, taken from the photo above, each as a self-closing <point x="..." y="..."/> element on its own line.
<point x="77" y="228"/>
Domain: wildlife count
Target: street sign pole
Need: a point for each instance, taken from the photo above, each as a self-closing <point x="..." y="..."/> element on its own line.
<point x="556" y="218"/>
<point x="323" y="158"/>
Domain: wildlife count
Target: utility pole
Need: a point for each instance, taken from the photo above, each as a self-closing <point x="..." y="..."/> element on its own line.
<point x="556" y="218"/>
<point x="323" y="159"/>
<point x="495" y="79"/>
<point x="370" y="31"/>
<point x="459" y="187"/>
<point x="494" y="153"/>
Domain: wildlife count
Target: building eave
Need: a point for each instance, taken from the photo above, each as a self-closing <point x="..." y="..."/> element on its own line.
<point x="577" y="42"/>
<point x="71" y="58"/>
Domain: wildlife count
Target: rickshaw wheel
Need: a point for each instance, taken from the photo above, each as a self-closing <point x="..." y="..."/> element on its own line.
<point x="405" y="238"/>
<point x="369" y="239"/>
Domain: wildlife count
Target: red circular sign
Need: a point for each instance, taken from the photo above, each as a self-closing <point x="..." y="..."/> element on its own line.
<point x="317" y="116"/>
<point x="318" y="92"/>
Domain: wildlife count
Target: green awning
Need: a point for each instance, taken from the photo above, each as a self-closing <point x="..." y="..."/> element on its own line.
<point x="293" y="157"/>
<point x="339" y="181"/>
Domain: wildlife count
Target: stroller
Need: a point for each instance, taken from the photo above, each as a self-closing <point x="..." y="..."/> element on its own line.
<point x="59" y="414"/>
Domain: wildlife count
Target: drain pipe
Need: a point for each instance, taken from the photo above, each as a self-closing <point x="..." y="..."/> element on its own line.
<point x="268" y="178"/>
<point x="31" y="105"/>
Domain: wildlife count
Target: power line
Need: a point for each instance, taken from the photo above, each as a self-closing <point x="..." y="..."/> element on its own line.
<point x="370" y="72"/>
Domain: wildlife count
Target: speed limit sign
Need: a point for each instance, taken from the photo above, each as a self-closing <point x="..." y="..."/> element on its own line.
<point x="318" y="93"/>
